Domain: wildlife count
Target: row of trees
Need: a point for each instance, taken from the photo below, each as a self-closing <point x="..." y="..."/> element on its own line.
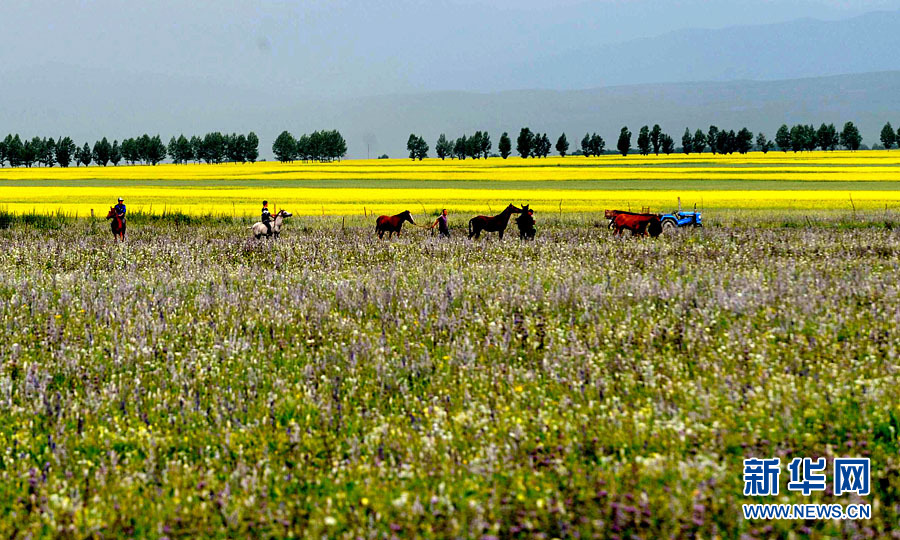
<point x="63" y="151"/>
<point x="806" y="137"/>
<point x="720" y="141"/>
<point x="476" y="146"/>
<point x="530" y="144"/>
<point x="717" y="141"/>
<point x="317" y="146"/>
<point x="330" y="145"/>
<point x="47" y="152"/>
<point x="212" y="148"/>
<point x="647" y="139"/>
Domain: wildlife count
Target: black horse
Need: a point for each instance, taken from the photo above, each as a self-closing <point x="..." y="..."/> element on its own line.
<point x="525" y="223"/>
<point x="495" y="224"/>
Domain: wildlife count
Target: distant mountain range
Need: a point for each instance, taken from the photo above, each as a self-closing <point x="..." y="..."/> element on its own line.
<point x="756" y="76"/>
<point x="382" y="124"/>
<point x="790" y="50"/>
<point x="869" y="100"/>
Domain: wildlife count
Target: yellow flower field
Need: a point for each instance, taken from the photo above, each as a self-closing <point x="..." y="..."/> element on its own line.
<point x="816" y="180"/>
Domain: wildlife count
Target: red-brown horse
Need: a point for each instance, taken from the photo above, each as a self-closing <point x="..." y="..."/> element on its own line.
<point x="638" y="224"/>
<point x="392" y="224"/>
<point x="611" y="216"/>
<point x="495" y="224"/>
<point x="117" y="225"/>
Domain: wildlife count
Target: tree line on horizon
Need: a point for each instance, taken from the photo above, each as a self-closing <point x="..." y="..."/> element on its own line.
<point x="212" y="148"/>
<point x="316" y="146"/>
<point x="216" y="147"/>
<point x="717" y="141"/>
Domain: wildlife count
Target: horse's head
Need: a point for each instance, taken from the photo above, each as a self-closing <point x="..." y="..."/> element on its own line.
<point x="112" y="213"/>
<point x="524" y="209"/>
<point x="284" y="213"/>
<point x="406" y="216"/>
<point x="513" y="209"/>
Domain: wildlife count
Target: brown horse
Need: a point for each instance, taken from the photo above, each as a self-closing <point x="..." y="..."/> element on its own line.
<point x="611" y="216"/>
<point x="638" y="224"/>
<point x="392" y="224"/>
<point x="495" y="224"/>
<point x="117" y="225"/>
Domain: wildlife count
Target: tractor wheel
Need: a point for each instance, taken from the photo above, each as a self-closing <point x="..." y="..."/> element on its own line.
<point x="669" y="226"/>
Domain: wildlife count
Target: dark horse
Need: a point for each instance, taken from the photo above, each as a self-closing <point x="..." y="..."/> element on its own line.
<point x="525" y="223"/>
<point x="392" y="224"/>
<point x="117" y="225"/>
<point x="495" y="224"/>
<point x="638" y="224"/>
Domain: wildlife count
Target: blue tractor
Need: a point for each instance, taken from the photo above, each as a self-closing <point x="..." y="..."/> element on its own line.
<point x="679" y="219"/>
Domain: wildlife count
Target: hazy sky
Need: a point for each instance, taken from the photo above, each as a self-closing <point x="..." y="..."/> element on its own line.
<point x="93" y="68"/>
<point x="350" y="47"/>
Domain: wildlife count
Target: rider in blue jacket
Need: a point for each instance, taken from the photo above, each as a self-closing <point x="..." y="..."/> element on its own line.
<point x="120" y="209"/>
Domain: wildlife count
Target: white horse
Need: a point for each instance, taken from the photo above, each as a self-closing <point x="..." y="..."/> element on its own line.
<point x="259" y="228"/>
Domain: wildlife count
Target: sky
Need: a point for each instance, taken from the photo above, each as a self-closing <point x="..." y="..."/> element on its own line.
<point x="116" y="68"/>
<point x="349" y="48"/>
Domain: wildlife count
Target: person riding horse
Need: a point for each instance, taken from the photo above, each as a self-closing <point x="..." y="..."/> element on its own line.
<point x="116" y="216"/>
<point x="266" y="218"/>
<point x="120" y="209"/>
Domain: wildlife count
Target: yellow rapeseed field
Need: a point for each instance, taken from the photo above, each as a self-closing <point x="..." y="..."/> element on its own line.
<point x="817" y="180"/>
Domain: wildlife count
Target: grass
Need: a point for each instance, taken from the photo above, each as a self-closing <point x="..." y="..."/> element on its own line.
<point x="193" y="382"/>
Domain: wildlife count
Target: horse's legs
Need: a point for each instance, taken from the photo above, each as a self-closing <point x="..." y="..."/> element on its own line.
<point x="501" y="234"/>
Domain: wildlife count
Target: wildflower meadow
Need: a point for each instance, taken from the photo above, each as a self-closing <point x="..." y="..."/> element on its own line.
<point x="195" y="382"/>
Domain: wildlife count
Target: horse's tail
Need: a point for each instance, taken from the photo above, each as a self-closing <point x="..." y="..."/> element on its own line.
<point x="470" y="226"/>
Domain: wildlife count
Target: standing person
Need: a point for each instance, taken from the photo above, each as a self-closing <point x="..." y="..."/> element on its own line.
<point x="442" y="225"/>
<point x="120" y="209"/>
<point x="266" y="218"/>
<point x="525" y="222"/>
